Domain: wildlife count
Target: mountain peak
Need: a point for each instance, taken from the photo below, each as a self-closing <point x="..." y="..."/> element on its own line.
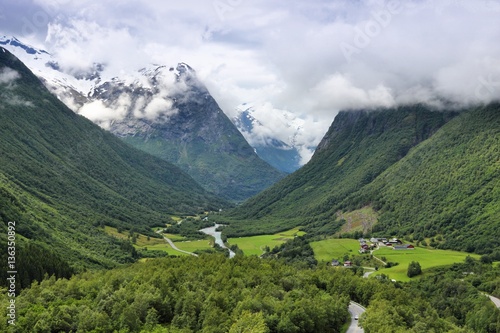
<point x="182" y="67"/>
<point x="11" y="40"/>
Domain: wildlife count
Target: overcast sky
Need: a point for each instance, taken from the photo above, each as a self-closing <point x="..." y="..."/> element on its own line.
<point x="311" y="57"/>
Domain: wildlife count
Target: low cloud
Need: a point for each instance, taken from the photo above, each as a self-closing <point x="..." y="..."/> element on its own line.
<point x="155" y="103"/>
<point x="159" y="106"/>
<point x="310" y="58"/>
<point x="8" y="75"/>
<point x="273" y="123"/>
<point x="337" y="92"/>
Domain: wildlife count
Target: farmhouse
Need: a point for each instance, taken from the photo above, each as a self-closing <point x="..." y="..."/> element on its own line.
<point x="378" y="240"/>
<point x="335" y="262"/>
<point x="347" y="263"/>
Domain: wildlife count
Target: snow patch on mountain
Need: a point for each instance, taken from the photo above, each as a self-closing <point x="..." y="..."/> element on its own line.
<point x="105" y="97"/>
<point x="151" y="92"/>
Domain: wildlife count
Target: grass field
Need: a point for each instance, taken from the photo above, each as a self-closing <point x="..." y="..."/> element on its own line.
<point x="428" y="258"/>
<point x="329" y="249"/>
<point x="159" y="243"/>
<point x="334" y="248"/>
<point x="254" y="245"/>
<point x="192" y="246"/>
<point x="162" y="247"/>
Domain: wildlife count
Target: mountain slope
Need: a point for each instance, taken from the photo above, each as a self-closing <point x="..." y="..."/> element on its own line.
<point x="165" y="111"/>
<point x="191" y="131"/>
<point x="358" y="147"/>
<point x="61" y="176"/>
<point x="448" y="186"/>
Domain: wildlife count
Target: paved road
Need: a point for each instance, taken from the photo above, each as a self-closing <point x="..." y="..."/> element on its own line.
<point x="172" y="245"/>
<point x="495" y="300"/>
<point x="370" y="271"/>
<point x="355" y="310"/>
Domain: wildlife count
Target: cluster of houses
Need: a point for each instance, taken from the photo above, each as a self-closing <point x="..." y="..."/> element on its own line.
<point x="394" y="242"/>
<point x="368" y="246"/>
<point x="365" y="247"/>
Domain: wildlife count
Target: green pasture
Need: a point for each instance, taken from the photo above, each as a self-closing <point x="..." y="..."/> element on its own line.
<point x="192" y="246"/>
<point x="162" y="247"/>
<point x="255" y="245"/>
<point x="334" y="248"/>
<point x="160" y="244"/>
<point x="428" y="258"/>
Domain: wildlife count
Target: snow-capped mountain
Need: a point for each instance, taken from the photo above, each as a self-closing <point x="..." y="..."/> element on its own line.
<point x="78" y="87"/>
<point x="163" y="110"/>
<point x="106" y="98"/>
<point x="276" y="135"/>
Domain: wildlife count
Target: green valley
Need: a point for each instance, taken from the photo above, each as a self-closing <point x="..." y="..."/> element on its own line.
<point x="411" y="171"/>
<point x="96" y="222"/>
<point x="358" y="147"/>
<point x="63" y="179"/>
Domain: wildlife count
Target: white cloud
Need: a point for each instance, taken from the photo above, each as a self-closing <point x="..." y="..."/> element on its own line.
<point x="8" y="75"/>
<point x="103" y="114"/>
<point x="159" y="106"/>
<point x="337" y="92"/>
<point x="291" y="53"/>
<point x="273" y="123"/>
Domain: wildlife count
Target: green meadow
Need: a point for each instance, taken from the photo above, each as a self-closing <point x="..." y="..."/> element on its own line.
<point x="334" y="248"/>
<point x="329" y="249"/>
<point x="428" y="258"/>
<point x="160" y="244"/>
<point x="255" y="245"/>
<point x="192" y="246"/>
<point x="249" y="245"/>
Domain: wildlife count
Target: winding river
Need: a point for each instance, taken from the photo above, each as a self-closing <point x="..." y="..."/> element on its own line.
<point x="212" y="231"/>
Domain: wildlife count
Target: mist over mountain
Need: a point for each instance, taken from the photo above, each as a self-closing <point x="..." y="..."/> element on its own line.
<point x="422" y="173"/>
<point x="277" y="136"/>
<point x="164" y="110"/>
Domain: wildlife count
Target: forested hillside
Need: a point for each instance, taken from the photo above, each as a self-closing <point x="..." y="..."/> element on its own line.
<point x="427" y="175"/>
<point x="62" y="177"/>
<point x="245" y="294"/>
<point x="447" y="188"/>
<point x="357" y="148"/>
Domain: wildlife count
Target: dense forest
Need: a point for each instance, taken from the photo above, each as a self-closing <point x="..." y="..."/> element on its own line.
<point x="249" y="294"/>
